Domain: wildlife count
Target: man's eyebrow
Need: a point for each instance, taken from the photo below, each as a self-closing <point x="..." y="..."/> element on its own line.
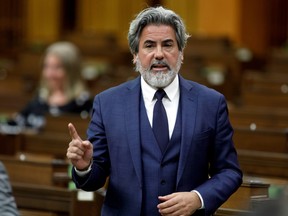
<point x="164" y="41"/>
<point x="168" y="40"/>
<point x="149" y="41"/>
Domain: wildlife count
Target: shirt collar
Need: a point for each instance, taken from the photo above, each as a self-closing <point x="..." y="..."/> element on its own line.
<point x="171" y="90"/>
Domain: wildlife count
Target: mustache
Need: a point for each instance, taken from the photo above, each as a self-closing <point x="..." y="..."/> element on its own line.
<point x="156" y="63"/>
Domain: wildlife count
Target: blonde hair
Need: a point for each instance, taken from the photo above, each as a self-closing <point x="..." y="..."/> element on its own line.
<point x="70" y="59"/>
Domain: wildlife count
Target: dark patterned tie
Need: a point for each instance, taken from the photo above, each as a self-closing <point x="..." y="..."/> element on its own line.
<point x="160" y="122"/>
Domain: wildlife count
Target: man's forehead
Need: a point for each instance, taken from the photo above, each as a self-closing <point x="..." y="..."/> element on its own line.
<point x="156" y="32"/>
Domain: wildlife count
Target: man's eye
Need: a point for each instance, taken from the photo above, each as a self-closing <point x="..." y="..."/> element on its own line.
<point x="168" y="44"/>
<point x="148" y="45"/>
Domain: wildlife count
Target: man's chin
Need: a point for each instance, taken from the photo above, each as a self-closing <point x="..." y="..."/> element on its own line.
<point x="158" y="83"/>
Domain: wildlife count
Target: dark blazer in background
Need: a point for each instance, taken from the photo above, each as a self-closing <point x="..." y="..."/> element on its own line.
<point x="7" y="201"/>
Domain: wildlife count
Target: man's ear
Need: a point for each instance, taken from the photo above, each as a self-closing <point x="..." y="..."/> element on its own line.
<point x="135" y="56"/>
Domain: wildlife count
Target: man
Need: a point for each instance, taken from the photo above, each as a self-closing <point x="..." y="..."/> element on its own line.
<point x="196" y="171"/>
<point x="7" y="201"/>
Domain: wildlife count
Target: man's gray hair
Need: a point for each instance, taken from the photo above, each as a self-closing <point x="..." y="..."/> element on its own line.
<point x="156" y="16"/>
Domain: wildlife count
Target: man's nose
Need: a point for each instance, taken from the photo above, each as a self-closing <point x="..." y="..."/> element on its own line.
<point x="159" y="53"/>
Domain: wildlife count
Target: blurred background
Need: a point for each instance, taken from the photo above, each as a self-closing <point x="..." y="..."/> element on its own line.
<point x="228" y="38"/>
<point x="238" y="47"/>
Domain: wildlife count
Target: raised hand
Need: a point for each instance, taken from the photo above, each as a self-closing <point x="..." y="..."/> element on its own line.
<point x="79" y="152"/>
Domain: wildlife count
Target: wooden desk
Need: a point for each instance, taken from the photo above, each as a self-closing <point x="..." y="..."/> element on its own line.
<point x="258" y="117"/>
<point x="35" y="169"/>
<point x="10" y="144"/>
<point x="261" y="163"/>
<point x="56" y="201"/>
<point x="262" y="139"/>
<point x="258" y="98"/>
<point x="59" y="124"/>
<point x="241" y="199"/>
<point x="53" y="139"/>
<point x="265" y="90"/>
<point x="51" y="143"/>
<point x="232" y="212"/>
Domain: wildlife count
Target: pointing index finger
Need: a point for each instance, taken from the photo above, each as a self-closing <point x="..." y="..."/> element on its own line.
<point x="73" y="133"/>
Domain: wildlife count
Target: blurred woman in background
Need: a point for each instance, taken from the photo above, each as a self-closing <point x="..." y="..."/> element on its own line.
<point x="61" y="88"/>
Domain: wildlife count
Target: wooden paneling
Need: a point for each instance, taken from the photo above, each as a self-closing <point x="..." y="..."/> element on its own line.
<point x="263" y="25"/>
<point x="219" y="18"/>
<point x="112" y="16"/>
<point x="188" y="10"/>
<point x="42" y="21"/>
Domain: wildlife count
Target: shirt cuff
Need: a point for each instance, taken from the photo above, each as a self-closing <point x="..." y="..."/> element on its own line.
<point x="201" y="199"/>
<point x="85" y="172"/>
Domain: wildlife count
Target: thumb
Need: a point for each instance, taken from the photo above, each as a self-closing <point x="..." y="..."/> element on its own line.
<point x="87" y="144"/>
<point x="73" y="133"/>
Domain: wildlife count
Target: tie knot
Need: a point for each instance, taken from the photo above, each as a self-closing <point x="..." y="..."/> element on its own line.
<point x="160" y="93"/>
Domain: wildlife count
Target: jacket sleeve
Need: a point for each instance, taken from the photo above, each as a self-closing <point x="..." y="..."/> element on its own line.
<point x="225" y="174"/>
<point x="101" y="163"/>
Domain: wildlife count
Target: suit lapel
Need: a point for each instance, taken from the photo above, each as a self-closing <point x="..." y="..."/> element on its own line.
<point x="188" y="104"/>
<point x="132" y="118"/>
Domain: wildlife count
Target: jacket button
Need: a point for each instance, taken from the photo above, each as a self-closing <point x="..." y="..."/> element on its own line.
<point x="163" y="182"/>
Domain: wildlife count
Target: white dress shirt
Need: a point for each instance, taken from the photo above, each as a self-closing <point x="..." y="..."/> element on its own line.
<point x="170" y="101"/>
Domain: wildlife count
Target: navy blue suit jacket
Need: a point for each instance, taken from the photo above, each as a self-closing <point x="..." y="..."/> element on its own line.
<point x="208" y="160"/>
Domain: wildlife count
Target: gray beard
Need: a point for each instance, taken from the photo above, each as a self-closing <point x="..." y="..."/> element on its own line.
<point x="160" y="79"/>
